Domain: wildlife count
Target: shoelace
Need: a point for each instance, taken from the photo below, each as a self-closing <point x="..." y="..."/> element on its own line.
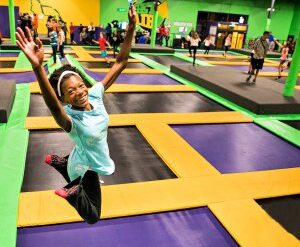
<point x="71" y="190"/>
<point x="57" y="160"/>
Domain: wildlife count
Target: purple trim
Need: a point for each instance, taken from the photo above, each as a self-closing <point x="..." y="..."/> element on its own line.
<point x="4" y="20"/>
<point x="240" y="147"/>
<point x="195" y="227"/>
<point x="141" y="79"/>
<point x="9" y="54"/>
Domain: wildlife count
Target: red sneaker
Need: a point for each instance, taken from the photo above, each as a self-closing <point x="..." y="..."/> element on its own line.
<point x="55" y="160"/>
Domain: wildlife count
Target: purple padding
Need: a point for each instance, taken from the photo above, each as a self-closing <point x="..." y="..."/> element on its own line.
<point x="265" y="68"/>
<point x="234" y="148"/>
<point x="21" y="77"/>
<point x="196" y="227"/>
<point x="9" y="54"/>
<point x="142" y="79"/>
<point x="4" y="20"/>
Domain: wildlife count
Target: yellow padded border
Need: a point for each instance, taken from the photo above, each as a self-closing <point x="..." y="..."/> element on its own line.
<point x="238" y="63"/>
<point x="125" y="88"/>
<point x="35" y="123"/>
<point x="98" y="52"/>
<point x="8" y="59"/>
<point x="43" y="208"/>
<point x="273" y="74"/>
<point x="13" y="70"/>
<point x="93" y="59"/>
<point x="251" y="225"/>
<point x="297" y="87"/>
<point x="132" y="71"/>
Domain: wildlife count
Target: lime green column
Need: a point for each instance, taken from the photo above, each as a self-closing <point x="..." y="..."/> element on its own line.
<point x="12" y="25"/>
<point x="292" y="78"/>
<point x="154" y="26"/>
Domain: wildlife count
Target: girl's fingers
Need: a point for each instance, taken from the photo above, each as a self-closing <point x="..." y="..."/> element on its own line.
<point x="39" y="43"/>
<point x="21" y="41"/>
<point x="22" y="35"/>
<point x="20" y="45"/>
<point x="28" y="34"/>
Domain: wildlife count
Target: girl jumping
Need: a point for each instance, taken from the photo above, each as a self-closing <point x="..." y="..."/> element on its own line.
<point x="85" y="120"/>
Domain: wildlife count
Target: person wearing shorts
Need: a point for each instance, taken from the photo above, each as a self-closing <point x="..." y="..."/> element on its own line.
<point x="283" y="57"/>
<point x="102" y="42"/>
<point x="261" y="48"/>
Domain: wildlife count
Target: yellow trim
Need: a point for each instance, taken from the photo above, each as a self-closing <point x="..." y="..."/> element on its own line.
<point x="34" y="123"/>
<point x="43" y="208"/>
<point x="93" y="59"/>
<point x="229" y="57"/>
<point x="98" y="52"/>
<point x="126" y="88"/>
<point x="132" y="71"/>
<point x="237" y="63"/>
<point x="250" y="225"/>
<point x="13" y="70"/>
<point x="8" y="59"/>
<point x="297" y="87"/>
<point x="274" y="74"/>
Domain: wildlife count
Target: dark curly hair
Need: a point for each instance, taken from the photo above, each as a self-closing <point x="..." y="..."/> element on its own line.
<point x="56" y="74"/>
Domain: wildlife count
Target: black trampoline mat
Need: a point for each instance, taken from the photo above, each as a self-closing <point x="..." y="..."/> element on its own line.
<point x="96" y="65"/>
<point x="285" y="210"/>
<point x="7" y="64"/>
<point x="294" y="124"/>
<point x="166" y="60"/>
<point x="116" y="103"/>
<point x="134" y="158"/>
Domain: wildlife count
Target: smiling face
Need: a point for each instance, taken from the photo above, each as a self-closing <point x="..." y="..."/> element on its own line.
<point x="75" y="92"/>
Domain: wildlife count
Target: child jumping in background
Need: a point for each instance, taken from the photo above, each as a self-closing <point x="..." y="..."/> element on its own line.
<point x="102" y="42"/>
<point x="283" y="57"/>
<point x="194" y="39"/>
<point x="207" y="44"/>
<point x="83" y="117"/>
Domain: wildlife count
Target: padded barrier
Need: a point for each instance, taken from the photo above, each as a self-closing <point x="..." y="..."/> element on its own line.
<point x="7" y="96"/>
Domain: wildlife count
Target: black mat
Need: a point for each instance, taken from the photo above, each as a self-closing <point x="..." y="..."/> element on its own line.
<point x="141" y="103"/>
<point x="147" y="49"/>
<point x="294" y="124"/>
<point x="135" y="160"/>
<point x="265" y="97"/>
<point x="7" y="64"/>
<point x="166" y="60"/>
<point x="285" y="210"/>
<point x="95" y="65"/>
<point x="9" y="47"/>
<point x="248" y="52"/>
<point x="7" y="96"/>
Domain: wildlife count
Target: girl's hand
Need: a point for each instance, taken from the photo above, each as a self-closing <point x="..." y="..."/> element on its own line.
<point x="132" y="15"/>
<point x="33" y="51"/>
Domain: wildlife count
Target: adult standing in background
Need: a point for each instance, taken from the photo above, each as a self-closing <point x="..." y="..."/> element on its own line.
<point x="53" y="43"/>
<point x="71" y="28"/>
<point x="108" y="31"/>
<point x="91" y="32"/>
<point x="261" y="48"/>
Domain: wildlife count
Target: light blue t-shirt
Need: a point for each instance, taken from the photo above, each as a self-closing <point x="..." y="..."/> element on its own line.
<point x="89" y="133"/>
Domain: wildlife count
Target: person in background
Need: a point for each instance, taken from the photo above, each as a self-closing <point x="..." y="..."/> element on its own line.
<point x="71" y="28"/>
<point x="188" y="39"/>
<point x="115" y="42"/>
<point x="271" y="42"/>
<point x="91" y="32"/>
<point x="261" y="48"/>
<point x="162" y="34"/>
<point x="207" y="44"/>
<point x="108" y="31"/>
<point x="102" y="42"/>
<point x="35" y="25"/>
<point x="54" y="25"/>
<point x="167" y="34"/>
<point x="227" y="44"/>
<point x="194" y="40"/>
<point x="53" y="43"/>
<point x="49" y="25"/>
<point x="61" y="42"/>
<point x="283" y="57"/>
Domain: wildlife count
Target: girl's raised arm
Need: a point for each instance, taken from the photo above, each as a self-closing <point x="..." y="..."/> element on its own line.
<point x="35" y="54"/>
